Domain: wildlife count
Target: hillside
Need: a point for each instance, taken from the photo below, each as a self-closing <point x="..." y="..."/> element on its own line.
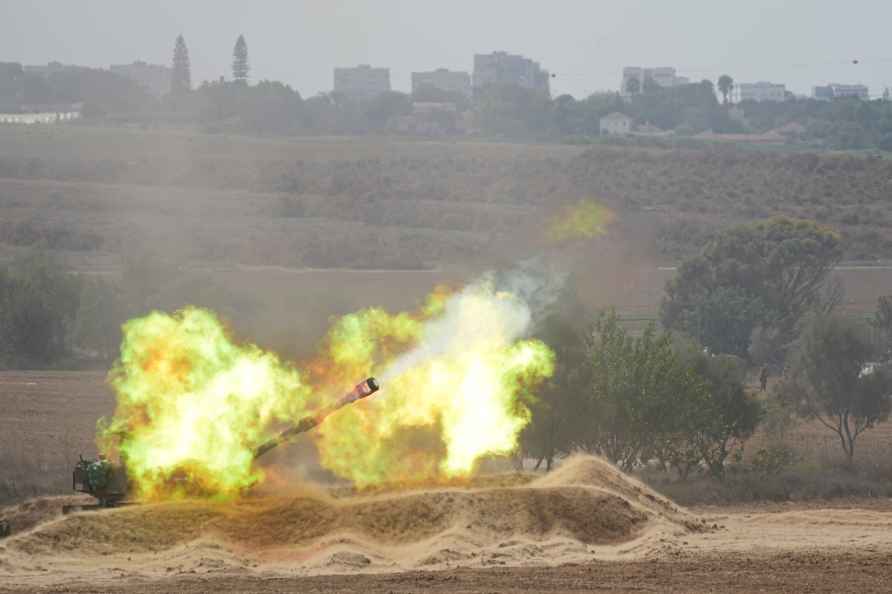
<point x="380" y="203"/>
<point x="692" y="193"/>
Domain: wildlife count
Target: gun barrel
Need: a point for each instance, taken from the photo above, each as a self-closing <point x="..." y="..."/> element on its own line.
<point x="362" y="390"/>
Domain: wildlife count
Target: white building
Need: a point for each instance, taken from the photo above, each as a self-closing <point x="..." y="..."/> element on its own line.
<point x="362" y="82"/>
<point x="48" y="117"/>
<point x="760" y="91"/>
<point x="665" y="76"/>
<point x="615" y="124"/>
<point x="836" y="90"/>
<point x="451" y="81"/>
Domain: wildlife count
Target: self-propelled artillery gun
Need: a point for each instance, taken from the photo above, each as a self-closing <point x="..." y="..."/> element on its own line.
<point x="109" y="484"/>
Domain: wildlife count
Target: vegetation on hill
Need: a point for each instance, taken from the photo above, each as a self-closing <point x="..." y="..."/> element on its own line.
<point x="418" y="204"/>
<point x="763" y="277"/>
<point x="840" y="124"/>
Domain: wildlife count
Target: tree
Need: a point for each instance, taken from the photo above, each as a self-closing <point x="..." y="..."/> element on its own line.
<point x="386" y="106"/>
<point x="832" y="379"/>
<point x="767" y="274"/>
<point x="38" y="303"/>
<point x="642" y="393"/>
<point x="240" y="67"/>
<point x="513" y="111"/>
<point x="181" y="81"/>
<point x="272" y="108"/>
<point x="633" y="86"/>
<point x="101" y="313"/>
<point x="727" y="415"/>
<point x="561" y="405"/>
<point x="726" y="85"/>
<point x="882" y="321"/>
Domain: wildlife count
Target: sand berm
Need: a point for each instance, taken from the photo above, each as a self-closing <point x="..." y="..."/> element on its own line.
<point x="583" y="510"/>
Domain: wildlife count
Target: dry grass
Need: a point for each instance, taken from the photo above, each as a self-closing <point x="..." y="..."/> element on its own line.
<point x="816" y="470"/>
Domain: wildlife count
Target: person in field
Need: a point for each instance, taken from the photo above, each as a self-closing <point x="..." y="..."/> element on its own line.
<point x="763" y="378"/>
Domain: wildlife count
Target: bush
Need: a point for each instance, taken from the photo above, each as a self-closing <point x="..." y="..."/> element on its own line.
<point x="48" y="314"/>
<point x="38" y="304"/>
<point x="774" y="459"/>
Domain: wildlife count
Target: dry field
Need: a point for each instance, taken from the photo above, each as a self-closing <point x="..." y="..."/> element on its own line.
<point x="47" y="420"/>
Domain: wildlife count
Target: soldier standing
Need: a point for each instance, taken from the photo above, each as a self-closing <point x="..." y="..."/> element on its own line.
<point x="763" y="378"/>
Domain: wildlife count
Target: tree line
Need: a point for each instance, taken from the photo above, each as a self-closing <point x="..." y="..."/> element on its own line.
<point x="502" y="111"/>
<point x="760" y="297"/>
<point x="51" y="317"/>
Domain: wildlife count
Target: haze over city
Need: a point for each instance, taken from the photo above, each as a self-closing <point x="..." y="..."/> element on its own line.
<point x="585" y="44"/>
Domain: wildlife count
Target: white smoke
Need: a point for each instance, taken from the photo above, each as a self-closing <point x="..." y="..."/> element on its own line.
<point x="537" y="281"/>
<point x="500" y="307"/>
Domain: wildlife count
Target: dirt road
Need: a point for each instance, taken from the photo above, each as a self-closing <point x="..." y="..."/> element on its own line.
<point x="799" y="573"/>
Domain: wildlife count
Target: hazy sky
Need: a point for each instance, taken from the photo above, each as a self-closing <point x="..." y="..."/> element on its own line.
<point x="584" y="42"/>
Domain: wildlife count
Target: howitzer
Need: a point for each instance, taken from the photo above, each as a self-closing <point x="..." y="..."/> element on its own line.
<point x="362" y="390"/>
<point x="108" y="482"/>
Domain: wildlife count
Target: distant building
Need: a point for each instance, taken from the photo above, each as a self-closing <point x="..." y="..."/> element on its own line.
<point x="615" y="124"/>
<point x="836" y="90"/>
<point x="665" y="76"/>
<point x="154" y="78"/>
<point x="760" y="92"/>
<point x="362" y="82"/>
<point x="451" y="81"/>
<point x="47" y="115"/>
<point x="12" y="86"/>
<point x="501" y="68"/>
<point x="48" y="69"/>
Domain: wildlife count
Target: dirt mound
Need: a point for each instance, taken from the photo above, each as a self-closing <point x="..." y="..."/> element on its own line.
<point x="583" y="507"/>
<point x="39" y="510"/>
<point x="490" y="514"/>
<point x="595" y="472"/>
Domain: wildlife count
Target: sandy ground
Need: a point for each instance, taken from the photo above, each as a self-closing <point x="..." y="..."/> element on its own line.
<point x="584" y="527"/>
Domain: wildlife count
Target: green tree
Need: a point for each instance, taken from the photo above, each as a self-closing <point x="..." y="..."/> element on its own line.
<point x="240" y="67"/>
<point x="726" y="85"/>
<point x="562" y="405"/>
<point x="633" y="86"/>
<point x="101" y="312"/>
<point x="726" y="317"/>
<point x="101" y="91"/>
<point x="832" y="379"/>
<point x="514" y="112"/>
<point x="181" y="81"/>
<point x="882" y="322"/>
<point x="727" y="415"/>
<point x="766" y="274"/>
<point x="386" y="106"/>
<point x="642" y="393"/>
<point x="38" y="303"/>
